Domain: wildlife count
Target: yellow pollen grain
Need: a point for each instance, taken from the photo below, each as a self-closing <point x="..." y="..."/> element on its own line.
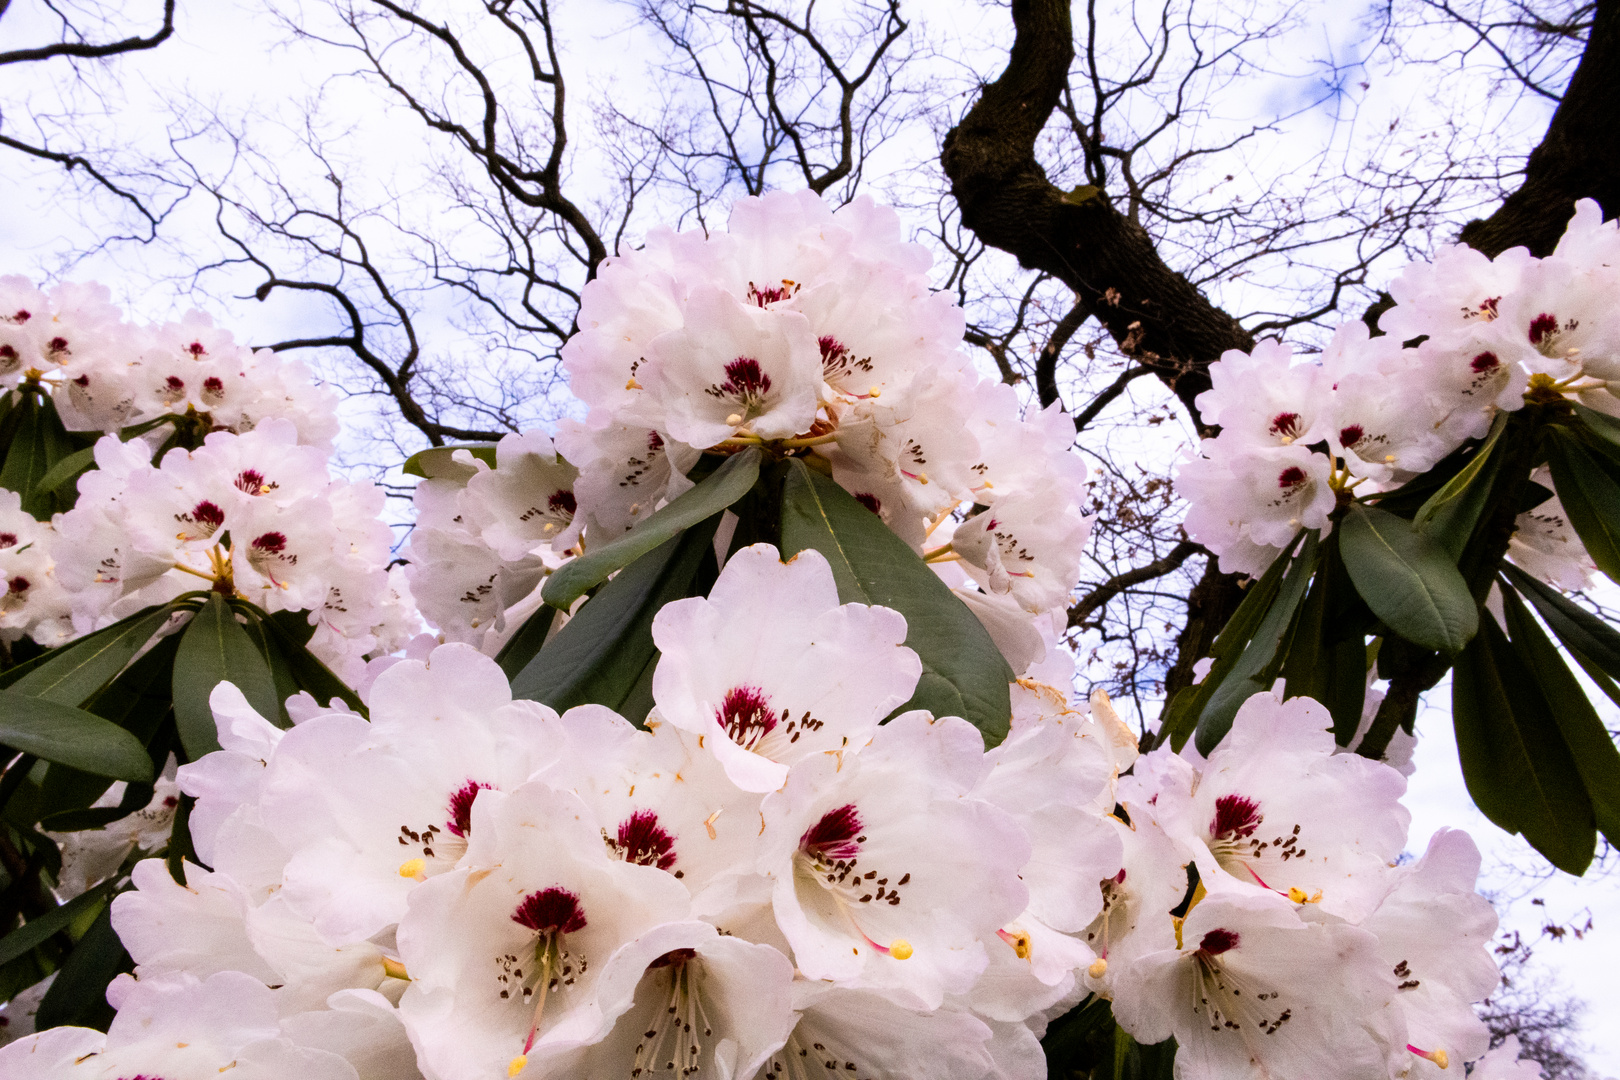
<point x="734" y="419"/>
<point x="900" y="949"/>
<point x="412" y="868"/>
<point x="708" y="823"/>
<point x="873" y="392"/>
<point x="631" y="385"/>
<point x="517" y="1065"/>
<point x="1098" y="968"/>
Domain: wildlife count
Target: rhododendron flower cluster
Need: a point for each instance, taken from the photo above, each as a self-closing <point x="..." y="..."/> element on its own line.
<point x="257" y="514"/>
<point x="32" y="601"/>
<point x="801" y="328"/>
<point x="767" y="881"/>
<point x="1469" y="336"/>
<point x="1296" y="851"/>
<point x="105" y="373"/>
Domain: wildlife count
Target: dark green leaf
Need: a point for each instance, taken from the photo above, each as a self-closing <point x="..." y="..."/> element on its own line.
<point x="1407" y="579"/>
<point x="1602" y="430"/>
<point x="1594" y="752"/>
<point x="1589" y="496"/>
<point x="434" y="463"/>
<point x="964" y="674"/>
<point x="38" y="930"/>
<point x="216" y="649"/>
<point x="1256" y="669"/>
<point x="604" y="651"/>
<point x="1577" y="628"/>
<point x="138" y="701"/>
<point x="308" y="670"/>
<point x="1515" y="762"/>
<point x="68" y="469"/>
<point x="181" y="848"/>
<point x="1327" y="651"/>
<point x="77" y="670"/>
<point x="136" y="797"/>
<point x="70" y="736"/>
<point x="40" y="442"/>
<point x="1078" y="1040"/>
<point x="281" y="675"/>
<point x="79" y="994"/>
<point x="1188" y="705"/>
<point x="730" y="482"/>
<point x="526" y="642"/>
<point x="1450" y="514"/>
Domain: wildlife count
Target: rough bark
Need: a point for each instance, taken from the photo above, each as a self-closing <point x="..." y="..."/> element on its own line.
<point x="1579" y="157"/>
<point x="1153" y="313"/>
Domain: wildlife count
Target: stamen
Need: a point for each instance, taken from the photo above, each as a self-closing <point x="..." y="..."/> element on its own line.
<point x="1098" y="968"/>
<point x="413" y="868"/>
<point x="1437" y="1055"/>
<point x="1018" y="940"/>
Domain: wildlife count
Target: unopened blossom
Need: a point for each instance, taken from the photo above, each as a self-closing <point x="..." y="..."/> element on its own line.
<point x="1242" y="993"/>
<point x="180" y="1028"/>
<point x="772" y="670"/>
<point x="886" y="874"/>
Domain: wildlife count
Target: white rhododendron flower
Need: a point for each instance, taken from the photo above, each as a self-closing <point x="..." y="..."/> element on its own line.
<point x="33" y="602"/>
<point x="774" y="671"/>
<point x="1468" y="337"/>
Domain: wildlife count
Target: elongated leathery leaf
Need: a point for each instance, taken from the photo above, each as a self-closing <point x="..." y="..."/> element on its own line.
<point x="438" y="462"/>
<point x="1408" y="580"/>
<point x="1517" y="767"/>
<point x="1590" y="497"/>
<point x="1452" y="512"/>
<point x="1579" y="629"/>
<point x="604" y="653"/>
<point x="1596" y="758"/>
<point x="68" y="736"/>
<point x="964" y="673"/>
<point x="1257" y="667"/>
<point x="79" y="669"/>
<point x="216" y="649"/>
<point x="721" y="488"/>
<point x="1188" y="705"/>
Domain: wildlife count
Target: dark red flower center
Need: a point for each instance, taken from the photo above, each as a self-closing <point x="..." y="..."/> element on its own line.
<point x="744" y="379"/>
<point x="59" y="344"/>
<point x="562" y="503"/>
<point x="550" y="911"/>
<point x="208" y="515"/>
<point x="644" y="842"/>
<point x="835" y="836"/>
<point x="196" y="348"/>
<point x="251" y="481"/>
<point x="746" y="714"/>
<point x="175" y="383"/>
<point x="1485" y="361"/>
<point x="1218" y="941"/>
<point x="7" y="352"/>
<point x="870" y="501"/>
<point x="1351" y="435"/>
<point x="770" y="294"/>
<point x="1236" y="818"/>
<point x="1293" y="476"/>
<point x="461" y="802"/>
<point x="8" y="539"/>
<point x="271" y="543"/>
<point x="22" y="316"/>
<point x="1542" y="327"/>
<point x="18" y="584"/>
<point x="655" y="441"/>
<point x="1285" y="425"/>
<point x="213" y="385"/>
